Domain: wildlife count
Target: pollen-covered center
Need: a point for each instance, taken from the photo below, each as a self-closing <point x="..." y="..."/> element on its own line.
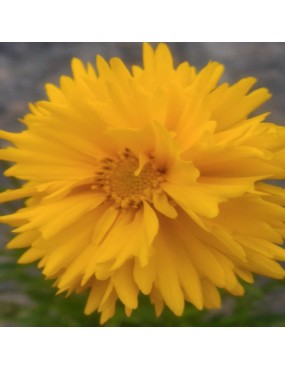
<point x="127" y="185"/>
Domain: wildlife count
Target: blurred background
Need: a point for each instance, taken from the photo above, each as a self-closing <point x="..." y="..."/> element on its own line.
<point x="26" y="299"/>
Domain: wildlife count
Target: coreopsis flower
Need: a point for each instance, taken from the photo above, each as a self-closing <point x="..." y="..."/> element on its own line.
<point x="149" y="181"/>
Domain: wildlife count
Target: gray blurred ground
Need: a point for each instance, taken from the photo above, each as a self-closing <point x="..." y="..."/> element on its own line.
<point x="26" y="67"/>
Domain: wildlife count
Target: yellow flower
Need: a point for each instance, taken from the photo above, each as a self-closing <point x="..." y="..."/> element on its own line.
<point x="149" y="181"/>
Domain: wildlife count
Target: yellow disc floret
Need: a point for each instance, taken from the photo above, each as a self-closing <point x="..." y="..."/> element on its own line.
<point x="127" y="185"/>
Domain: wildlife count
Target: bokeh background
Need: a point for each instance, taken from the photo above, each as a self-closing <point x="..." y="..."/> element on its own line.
<point x="26" y="298"/>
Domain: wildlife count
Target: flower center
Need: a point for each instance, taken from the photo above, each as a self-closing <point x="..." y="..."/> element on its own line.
<point x="117" y="177"/>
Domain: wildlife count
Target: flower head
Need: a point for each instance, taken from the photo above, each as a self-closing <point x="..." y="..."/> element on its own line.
<point x="150" y="180"/>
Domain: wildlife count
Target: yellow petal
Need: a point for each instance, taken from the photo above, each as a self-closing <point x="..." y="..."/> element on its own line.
<point x="208" y="77"/>
<point x="264" y="247"/>
<point x="33" y="254"/>
<point x="23" y="240"/>
<point x="162" y="204"/>
<point x="102" y="67"/>
<point x="212" y="298"/>
<point x="78" y="69"/>
<point x="148" y="57"/>
<point x="245" y="275"/>
<point x="206" y="262"/>
<point x="157" y="300"/>
<point x="182" y="173"/>
<point x="108" y="310"/>
<point x="125" y="286"/>
<point x="95" y="296"/>
<point x="129" y="237"/>
<point x="167" y="280"/>
<point x="264" y="266"/>
<point x="81" y="206"/>
<point x="55" y="94"/>
<point x="8" y="195"/>
<point x="163" y="61"/>
<point x="192" y="199"/>
<point x="144" y="276"/>
<point x="104" y="224"/>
